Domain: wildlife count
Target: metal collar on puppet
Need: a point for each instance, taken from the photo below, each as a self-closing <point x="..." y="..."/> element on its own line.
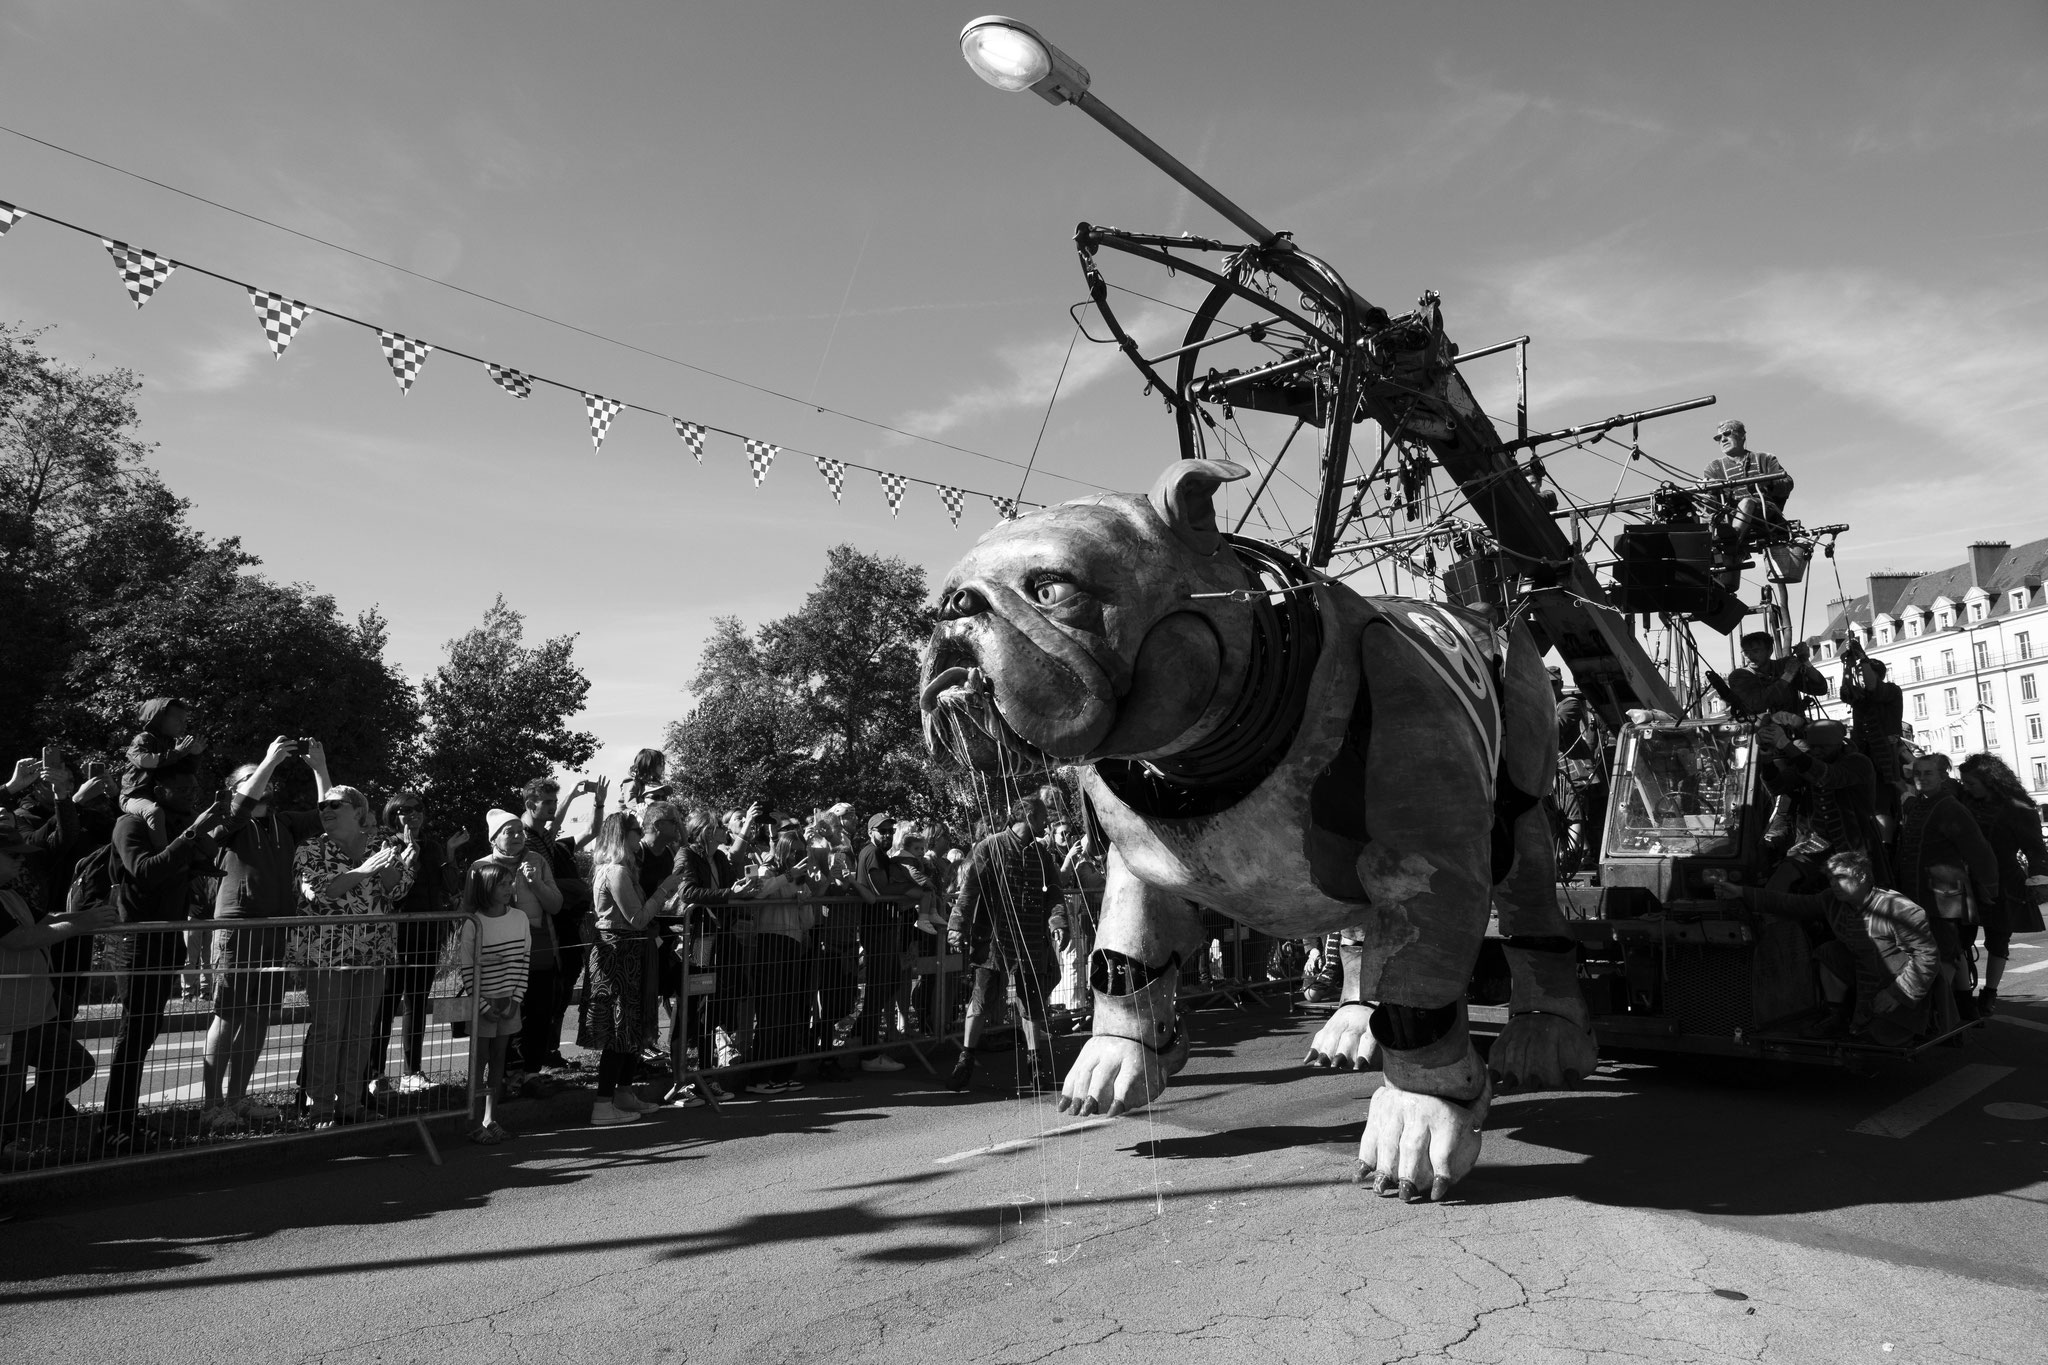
<point x="1259" y="728"/>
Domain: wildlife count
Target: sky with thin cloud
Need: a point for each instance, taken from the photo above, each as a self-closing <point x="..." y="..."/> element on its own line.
<point x="1832" y="216"/>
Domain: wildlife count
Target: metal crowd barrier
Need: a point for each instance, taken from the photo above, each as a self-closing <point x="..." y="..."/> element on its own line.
<point x="754" y="986"/>
<point x="136" y="1023"/>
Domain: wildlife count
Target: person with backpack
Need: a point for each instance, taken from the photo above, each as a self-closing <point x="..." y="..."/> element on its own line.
<point x="157" y="852"/>
<point x="66" y="820"/>
<point x="32" y="1038"/>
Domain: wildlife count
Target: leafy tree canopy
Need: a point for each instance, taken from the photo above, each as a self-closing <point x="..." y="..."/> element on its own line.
<point x="496" y="716"/>
<point x="109" y="596"/>
<point x="819" y="706"/>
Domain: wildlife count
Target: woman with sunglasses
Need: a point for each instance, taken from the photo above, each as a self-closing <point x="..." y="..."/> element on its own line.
<point x="343" y="873"/>
<point x="259" y="844"/>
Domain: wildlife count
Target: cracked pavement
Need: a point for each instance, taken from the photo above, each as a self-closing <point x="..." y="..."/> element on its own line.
<point x="1662" y="1213"/>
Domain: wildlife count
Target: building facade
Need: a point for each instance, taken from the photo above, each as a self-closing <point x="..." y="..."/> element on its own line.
<point x="1968" y="647"/>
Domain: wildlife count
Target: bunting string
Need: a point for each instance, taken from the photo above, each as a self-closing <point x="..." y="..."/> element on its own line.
<point x="281" y="318"/>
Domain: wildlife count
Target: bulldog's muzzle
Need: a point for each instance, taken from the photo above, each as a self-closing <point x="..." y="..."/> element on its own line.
<point x="1021" y="687"/>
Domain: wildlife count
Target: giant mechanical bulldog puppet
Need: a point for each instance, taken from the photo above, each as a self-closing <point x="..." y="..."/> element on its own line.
<point x="1265" y="742"/>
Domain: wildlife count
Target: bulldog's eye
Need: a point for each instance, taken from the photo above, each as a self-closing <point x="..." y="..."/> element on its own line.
<point x="1050" y="592"/>
<point x="964" y="602"/>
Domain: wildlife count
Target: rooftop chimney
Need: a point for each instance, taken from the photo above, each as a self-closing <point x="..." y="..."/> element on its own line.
<point x="1985" y="557"/>
<point x="1885" y="590"/>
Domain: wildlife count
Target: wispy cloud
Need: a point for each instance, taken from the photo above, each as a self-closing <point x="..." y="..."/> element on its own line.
<point x="1965" y="370"/>
<point x="1031" y="369"/>
<point x="222" y="361"/>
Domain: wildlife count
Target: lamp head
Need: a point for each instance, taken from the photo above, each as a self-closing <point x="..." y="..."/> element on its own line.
<point x="1012" y="56"/>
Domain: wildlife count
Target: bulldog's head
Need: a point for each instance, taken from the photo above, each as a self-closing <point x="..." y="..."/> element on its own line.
<point x="1077" y="633"/>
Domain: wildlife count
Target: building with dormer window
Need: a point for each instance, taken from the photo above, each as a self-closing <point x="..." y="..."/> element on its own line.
<point x="1966" y="646"/>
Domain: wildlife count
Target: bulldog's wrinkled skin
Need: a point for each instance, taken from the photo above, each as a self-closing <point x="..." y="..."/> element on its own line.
<point x="1087" y="632"/>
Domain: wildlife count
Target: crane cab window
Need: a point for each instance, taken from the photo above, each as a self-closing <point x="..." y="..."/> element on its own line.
<point x="1679" y="790"/>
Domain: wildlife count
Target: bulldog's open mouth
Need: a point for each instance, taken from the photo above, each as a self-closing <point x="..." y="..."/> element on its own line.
<point x="963" y="724"/>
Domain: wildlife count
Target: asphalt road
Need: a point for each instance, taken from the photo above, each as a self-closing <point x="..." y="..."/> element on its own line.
<point x="1662" y="1212"/>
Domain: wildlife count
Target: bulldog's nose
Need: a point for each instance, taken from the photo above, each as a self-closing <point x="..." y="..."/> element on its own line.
<point x="962" y="602"/>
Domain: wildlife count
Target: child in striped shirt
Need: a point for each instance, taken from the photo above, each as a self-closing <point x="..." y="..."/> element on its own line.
<point x="499" y="944"/>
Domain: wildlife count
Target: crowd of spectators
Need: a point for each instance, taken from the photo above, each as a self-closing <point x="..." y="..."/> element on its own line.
<point x="779" y="943"/>
<point x="1894" y="862"/>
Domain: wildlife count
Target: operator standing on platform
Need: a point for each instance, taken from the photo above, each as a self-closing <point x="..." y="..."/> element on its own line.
<point x="1877" y="711"/>
<point x="1768" y="685"/>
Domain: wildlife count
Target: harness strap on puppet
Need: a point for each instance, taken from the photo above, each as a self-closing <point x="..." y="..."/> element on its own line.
<point x="1113" y="974"/>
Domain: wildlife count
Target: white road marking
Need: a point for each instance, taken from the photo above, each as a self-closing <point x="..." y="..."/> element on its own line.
<point x="2018" y="1022"/>
<point x="1017" y="1144"/>
<point x="2030" y="967"/>
<point x="1929" y="1103"/>
<point x="2009" y="1109"/>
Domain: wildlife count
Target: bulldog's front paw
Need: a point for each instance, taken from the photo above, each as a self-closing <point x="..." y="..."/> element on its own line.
<point x="1113" y="1076"/>
<point x="1415" y="1143"/>
<point x="1345" y="1040"/>
<point x="1542" y="1052"/>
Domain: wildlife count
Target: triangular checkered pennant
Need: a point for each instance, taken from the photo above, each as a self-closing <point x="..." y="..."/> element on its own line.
<point x="9" y="216"/>
<point x="693" y="436"/>
<point x="405" y="356"/>
<point x="1006" y="508"/>
<point x="954" y="499"/>
<point x="514" y="382"/>
<point x="279" y="317"/>
<point x="892" y="489"/>
<point x="601" y="411"/>
<point x="142" y="271"/>
<point x="759" y="456"/>
<point x="835" y="474"/>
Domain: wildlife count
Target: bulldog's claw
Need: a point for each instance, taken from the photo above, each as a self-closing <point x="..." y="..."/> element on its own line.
<point x="1415" y="1142"/>
<point x="1113" y="1076"/>
<point x="1544" y="1051"/>
<point x="1345" y="1041"/>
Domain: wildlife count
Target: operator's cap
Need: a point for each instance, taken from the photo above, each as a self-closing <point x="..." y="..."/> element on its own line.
<point x="879" y="819"/>
<point x="1827" y="731"/>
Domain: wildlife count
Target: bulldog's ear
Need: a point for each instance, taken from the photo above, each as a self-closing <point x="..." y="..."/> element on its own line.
<point x="1185" y="496"/>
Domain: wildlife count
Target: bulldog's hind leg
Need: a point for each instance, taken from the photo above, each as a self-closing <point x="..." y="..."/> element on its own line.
<point x="1134" y="973"/>
<point x="1548" y="1042"/>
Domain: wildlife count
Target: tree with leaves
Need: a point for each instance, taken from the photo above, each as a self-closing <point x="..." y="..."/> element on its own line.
<point x="819" y="706"/>
<point x="497" y="716"/>
<point x="109" y="596"/>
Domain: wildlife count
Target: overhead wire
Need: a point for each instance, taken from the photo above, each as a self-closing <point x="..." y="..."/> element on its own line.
<point x="517" y="308"/>
<point x="622" y="404"/>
